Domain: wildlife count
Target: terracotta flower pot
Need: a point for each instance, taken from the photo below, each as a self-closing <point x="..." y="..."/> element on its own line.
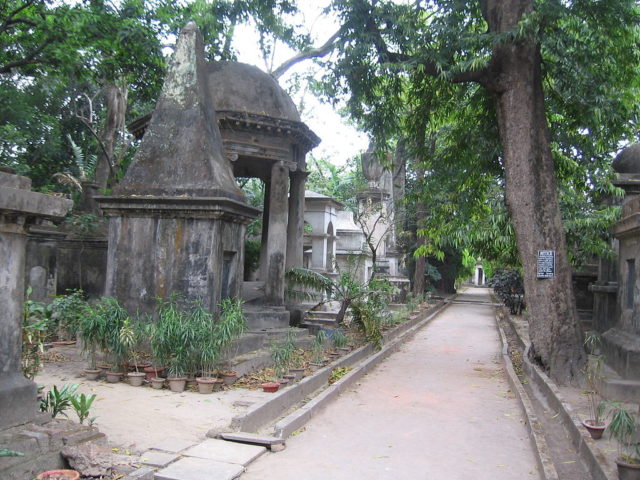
<point x="314" y="367"/>
<point x="92" y="374"/>
<point x="298" y="372"/>
<point x="208" y="384"/>
<point x="229" y="378"/>
<point x="270" y="387"/>
<point x="177" y="384"/>
<point x="114" y="377"/>
<point x="153" y="372"/>
<point x="595" y="431"/>
<point x="136" y="378"/>
<point x="104" y="368"/>
<point x="60" y="475"/>
<point x="157" y="383"/>
<point x="628" y="471"/>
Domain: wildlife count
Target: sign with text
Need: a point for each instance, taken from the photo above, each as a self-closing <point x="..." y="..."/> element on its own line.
<point x="546" y="263"/>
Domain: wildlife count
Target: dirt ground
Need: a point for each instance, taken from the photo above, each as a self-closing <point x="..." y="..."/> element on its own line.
<point x="137" y="418"/>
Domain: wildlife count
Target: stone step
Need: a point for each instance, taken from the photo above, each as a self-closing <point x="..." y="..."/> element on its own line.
<point x="321" y="314"/>
<point x="273" y="443"/>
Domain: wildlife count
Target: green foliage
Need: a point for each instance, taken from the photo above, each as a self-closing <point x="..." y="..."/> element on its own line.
<point x="371" y="311"/>
<point x="5" y="452"/>
<point x="623" y="427"/>
<point x="339" y="339"/>
<point x="67" y="312"/>
<point x="188" y="339"/>
<point x="172" y="337"/>
<point x="283" y="355"/>
<point x="56" y="401"/>
<point x="402" y="65"/>
<point x="82" y="405"/>
<point x="35" y="328"/>
<point x="318" y="346"/>
<point x="337" y="373"/>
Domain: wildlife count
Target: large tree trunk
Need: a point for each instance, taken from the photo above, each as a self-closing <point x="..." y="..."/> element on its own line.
<point x="532" y="194"/>
<point x="116" y="106"/>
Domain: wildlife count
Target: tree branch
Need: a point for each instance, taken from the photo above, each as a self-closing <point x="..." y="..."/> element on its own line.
<point x="307" y="54"/>
<point x="30" y="59"/>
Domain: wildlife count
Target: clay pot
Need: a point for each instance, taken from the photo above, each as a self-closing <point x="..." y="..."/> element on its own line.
<point x="628" y="471"/>
<point x="136" y="378"/>
<point x="298" y="372"/>
<point x="157" y="383"/>
<point x="270" y="387"/>
<point x="153" y="372"/>
<point x="208" y="385"/>
<point x="104" y="368"/>
<point x="191" y="382"/>
<point x="92" y="374"/>
<point x="595" y="431"/>
<point x="229" y="378"/>
<point x="314" y="367"/>
<point x="114" y="377"/>
<point x="344" y="350"/>
<point x="177" y="384"/>
<point x="60" y="475"/>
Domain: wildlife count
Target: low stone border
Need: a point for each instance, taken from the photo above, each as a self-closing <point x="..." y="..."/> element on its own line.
<point x="596" y="463"/>
<point x="536" y="434"/>
<point x="594" y="460"/>
<point x="272" y="408"/>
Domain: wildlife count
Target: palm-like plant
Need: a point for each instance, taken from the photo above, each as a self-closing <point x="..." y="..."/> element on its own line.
<point x="624" y="427"/>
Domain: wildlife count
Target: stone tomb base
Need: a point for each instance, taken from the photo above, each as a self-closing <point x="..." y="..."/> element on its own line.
<point x="622" y="352"/>
<point x="41" y="442"/>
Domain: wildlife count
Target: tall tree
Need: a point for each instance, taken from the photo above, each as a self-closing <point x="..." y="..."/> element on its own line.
<point x="506" y="52"/>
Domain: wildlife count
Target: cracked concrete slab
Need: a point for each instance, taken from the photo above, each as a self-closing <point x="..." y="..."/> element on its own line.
<point x="223" y="451"/>
<point x="192" y="468"/>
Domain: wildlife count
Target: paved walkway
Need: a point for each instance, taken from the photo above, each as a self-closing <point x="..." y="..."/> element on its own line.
<point x="438" y="409"/>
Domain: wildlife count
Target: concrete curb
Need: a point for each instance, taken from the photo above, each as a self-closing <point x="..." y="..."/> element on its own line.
<point x="536" y="434"/>
<point x="272" y="408"/>
<point x="589" y="453"/>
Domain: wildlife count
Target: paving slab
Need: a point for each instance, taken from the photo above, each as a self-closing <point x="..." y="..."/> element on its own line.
<point x="192" y="468"/>
<point x="156" y="458"/>
<point x="228" y="452"/>
<point x="174" y="445"/>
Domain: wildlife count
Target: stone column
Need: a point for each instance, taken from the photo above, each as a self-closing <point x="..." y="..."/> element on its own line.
<point x="295" y="227"/>
<point x="18" y="207"/>
<point x="277" y="237"/>
<point x="264" y="257"/>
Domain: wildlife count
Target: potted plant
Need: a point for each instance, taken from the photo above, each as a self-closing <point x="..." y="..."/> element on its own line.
<point x="231" y="324"/>
<point x="317" y="350"/>
<point x="624" y="428"/>
<point x="170" y="341"/>
<point x="131" y="334"/>
<point x="108" y="318"/>
<point x="340" y="340"/>
<point x="91" y="330"/>
<point x="205" y="349"/>
<point x="593" y="375"/>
